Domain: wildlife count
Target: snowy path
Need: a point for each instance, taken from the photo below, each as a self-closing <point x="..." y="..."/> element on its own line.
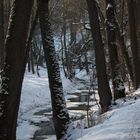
<point x="26" y="124"/>
<point x="35" y="97"/>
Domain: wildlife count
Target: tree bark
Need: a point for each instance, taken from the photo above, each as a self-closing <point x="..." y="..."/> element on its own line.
<point x="68" y="62"/>
<point x="134" y="42"/>
<point x="103" y="84"/>
<point x="32" y="59"/>
<point x="60" y="113"/>
<point x="120" y="40"/>
<point x="1" y="34"/>
<point x="118" y="86"/>
<point x="29" y="45"/>
<point x="13" y="71"/>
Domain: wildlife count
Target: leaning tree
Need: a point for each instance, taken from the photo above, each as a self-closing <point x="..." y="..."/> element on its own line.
<point x="1" y="33"/>
<point x="60" y="113"/>
<point x="14" y="67"/>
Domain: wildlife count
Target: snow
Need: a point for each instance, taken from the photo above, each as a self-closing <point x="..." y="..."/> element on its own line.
<point x="121" y="122"/>
<point x="35" y="96"/>
<point x="35" y="92"/>
<point x="109" y="6"/>
<point x="26" y="131"/>
<point x="82" y="75"/>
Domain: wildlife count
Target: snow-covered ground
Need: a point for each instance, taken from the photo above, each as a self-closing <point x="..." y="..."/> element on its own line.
<point x="36" y="96"/>
<point x="122" y="122"/>
<point x="35" y="90"/>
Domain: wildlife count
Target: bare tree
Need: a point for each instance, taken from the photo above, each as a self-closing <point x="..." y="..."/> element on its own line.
<point x="29" y="44"/>
<point x="103" y="84"/>
<point x="60" y="113"/>
<point x="134" y="40"/>
<point x="13" y="71"/>
<point x="118" y="86"/>
<point x="1" y="34"/>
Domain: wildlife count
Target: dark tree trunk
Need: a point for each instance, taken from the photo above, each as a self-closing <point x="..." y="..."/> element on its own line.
<point x="38" y="61"/>
<point x="120" y="39"/>
<point x="62" y="57"/>
<point x="73" y="31"/>
<point x="103" y="84"/>
<point x="29" y="55"/>
<point x="32" y="60"/>
<point x="137" y="11"/>
<point x="85" y="54"/>
<point x="13" y="72"/>
<point x="29" y="64"/>
<point x="7" y="7"/>
<point x="66" y="50"/>
<point x="67" y="54"/>
<point x="86" y="62"/>
<point x="60" y="113"/>
<point x="1" y="34"/>
<point x="118" y="86"/>
<point x="134" y="42"/>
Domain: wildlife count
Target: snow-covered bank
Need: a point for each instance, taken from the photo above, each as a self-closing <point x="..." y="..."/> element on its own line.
<point x="120" y="123"/>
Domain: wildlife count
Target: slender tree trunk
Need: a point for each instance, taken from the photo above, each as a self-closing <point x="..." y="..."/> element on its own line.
<point x="29" y="40"/>
<point x="62" y="57"/>
<point x="73" y="31"/>
<point x="68" y="62"/>
<point x="137" y="7"/>
<point x="7" y="8"/>
<point x="86" y="62"/>
<point x="80" y="63"/>
<point x="103" y="84"/>
<point x="67" y="54"/>
<point x="85" y="55"/>
<point x="134" y="42"/>
<point x="65" y="49"/>
<point x="38" y="61"/>
<point x="120" y="40"/>
<point x="1" y="34"/>
<point x="118" y="86"/>
<point x="60" y="113"/>
<point x="29" y="64"/>
<point x="32" y="60"/>
<point x="13" y="72"/>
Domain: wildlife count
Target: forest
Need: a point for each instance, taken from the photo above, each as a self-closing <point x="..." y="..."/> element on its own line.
<point x="69" y="69"/>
